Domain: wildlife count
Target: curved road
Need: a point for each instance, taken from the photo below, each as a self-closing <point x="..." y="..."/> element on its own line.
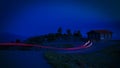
<point x="31" y="59"/>
<point x="86" y="45"/>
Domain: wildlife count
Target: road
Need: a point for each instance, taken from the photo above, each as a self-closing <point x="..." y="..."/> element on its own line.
<point x="29" y="58"/>
<point x="85" y="45"/>
<point x="35" y="59"/>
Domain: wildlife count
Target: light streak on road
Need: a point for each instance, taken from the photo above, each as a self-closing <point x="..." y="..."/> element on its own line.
<point x="86" y="45"/>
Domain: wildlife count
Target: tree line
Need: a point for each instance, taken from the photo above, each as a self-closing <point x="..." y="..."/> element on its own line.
<point x="59" y="35"/>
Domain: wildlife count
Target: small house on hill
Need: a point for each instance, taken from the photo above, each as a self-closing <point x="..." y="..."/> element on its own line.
<point x="99" y="35"/>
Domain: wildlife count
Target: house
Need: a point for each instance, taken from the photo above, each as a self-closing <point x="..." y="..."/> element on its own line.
<point x="99" y="35"/>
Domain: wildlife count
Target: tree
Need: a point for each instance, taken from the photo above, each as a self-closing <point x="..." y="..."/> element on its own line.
<point x="68" y="32"/>
<point x="51" y="37"/>
<point x="79" y="33"/>
<point x="59" y="30"/>
<point x="75" y="34"/>
<point x="59" y="33"/>
<point x="17" y="41"/>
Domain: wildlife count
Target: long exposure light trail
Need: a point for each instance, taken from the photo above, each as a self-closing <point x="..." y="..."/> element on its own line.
<point x="86" y="45"/>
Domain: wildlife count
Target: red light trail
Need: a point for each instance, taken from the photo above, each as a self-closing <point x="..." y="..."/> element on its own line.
<point x="86" y="45"/>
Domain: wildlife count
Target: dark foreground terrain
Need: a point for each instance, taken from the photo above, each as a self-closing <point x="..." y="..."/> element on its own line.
<point x="108" y="57"/>
<point x="97" y="56"/>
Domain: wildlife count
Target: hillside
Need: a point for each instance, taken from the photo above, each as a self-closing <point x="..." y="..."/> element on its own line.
<point x="107" y="57"/>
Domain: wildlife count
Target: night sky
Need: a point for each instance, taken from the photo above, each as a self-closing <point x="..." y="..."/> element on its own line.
<point x="36" y="17"/>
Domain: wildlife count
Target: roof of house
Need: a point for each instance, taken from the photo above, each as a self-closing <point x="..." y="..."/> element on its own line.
<point x="100" y="31"/>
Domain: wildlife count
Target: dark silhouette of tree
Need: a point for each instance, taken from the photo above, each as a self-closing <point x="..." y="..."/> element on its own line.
<point x="54" y="36"/>
<point x="35" y="40"/>
<point x="12" y="41"/>
<point x="17" y="41"/>
<point x="75" y="34"/>
<point x="51" y="37"/>
<point x="59" y="30"/>
<point x="79" y="34"/>
<point x="68" y="32"/>
<point x="59" y="33"/>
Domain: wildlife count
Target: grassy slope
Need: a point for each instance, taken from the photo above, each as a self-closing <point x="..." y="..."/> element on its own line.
<point x="106" y="58"/>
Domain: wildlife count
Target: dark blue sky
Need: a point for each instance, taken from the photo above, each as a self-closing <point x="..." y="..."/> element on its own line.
<point x="36" y="17"/>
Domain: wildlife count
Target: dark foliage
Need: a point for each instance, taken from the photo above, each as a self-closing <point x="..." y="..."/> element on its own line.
<point x="17" y="41"/>
<point x="55" y="36"/>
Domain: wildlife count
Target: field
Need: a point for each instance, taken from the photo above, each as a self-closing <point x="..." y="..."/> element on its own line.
<point x="99" y="55"/>
<point x="105" y="58"/>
